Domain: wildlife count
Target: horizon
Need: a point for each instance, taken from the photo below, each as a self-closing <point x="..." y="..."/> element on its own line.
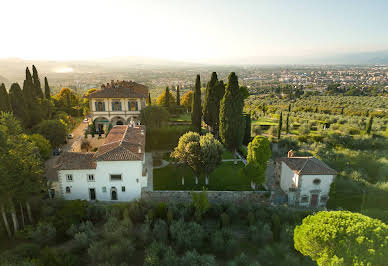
<point x="196" y="32"/>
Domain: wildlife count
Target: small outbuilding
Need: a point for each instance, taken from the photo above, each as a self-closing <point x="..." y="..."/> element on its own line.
<point x="305" y="180"/>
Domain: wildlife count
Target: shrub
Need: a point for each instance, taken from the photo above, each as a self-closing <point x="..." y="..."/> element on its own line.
<point x="222" y="241"/>
<point x="159" y="254"/>
<point x="187" y="235"/>
<point x="242" y="260"/>
<point x="45" y="233"/>
<point x="276" y="227"/>
<point x="161" y="210"/>
<point x="115" y="253"/>
<point x="193" y="258"/>
<point x="160" y="231"/>
<point x="225" y="220"/>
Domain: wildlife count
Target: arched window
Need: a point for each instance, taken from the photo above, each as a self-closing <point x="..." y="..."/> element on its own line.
<point x="316" y="181"/>
<point x="113" y="193"/>
<point x="68" y="190"/>
<point x="100" y="106"/>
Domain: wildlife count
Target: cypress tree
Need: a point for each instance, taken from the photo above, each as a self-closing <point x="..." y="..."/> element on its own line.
<point x="280" y="125"/>
<point x="5" y="105"/>
<point x="47" y="91"/>
<point x="196" y="112"/>
<point x="167" y="97"/>
<point x="369" y="127"/>
<point x="289" y="108"/>
<point x="149" y="98"/>
<point x="28" y="75"/>
<point x="36" y="82"/>
<point x="32" y="114"/>
<point x="247" y="131"/>
<point x="178" y="96"/>
<point x="17" y="101"/>
<point x="231" y="118"/>
<point x="209" y="104"/>
<point x="287" y="123"/>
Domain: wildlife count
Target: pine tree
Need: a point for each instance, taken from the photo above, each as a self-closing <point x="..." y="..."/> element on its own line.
<point x="17" y="101"/>
<point x="178" y="97"/>
<point x="149" y="98"/>
<point x="287" y="123"/>
<point x="167" y="98"/>
<point x="47" y="91"/>
<point x="209" y="104"/>
<point x="36" y="82"/>
<point x="369" y="127"/>
<point x="5" y="105"/>
<point x="231" y="118"/>
<point x="280" y="125"/>
<point x="196" y="112"/>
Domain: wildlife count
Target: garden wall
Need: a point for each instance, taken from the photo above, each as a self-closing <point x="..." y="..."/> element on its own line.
<point x="213" y="196"/>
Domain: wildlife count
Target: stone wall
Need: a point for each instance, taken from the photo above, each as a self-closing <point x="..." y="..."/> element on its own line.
<point x="213" y="196"/>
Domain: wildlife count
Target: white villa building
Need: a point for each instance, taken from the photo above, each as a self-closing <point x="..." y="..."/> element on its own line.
<point x="116" y="172"/>
<point x="117" y="103"/>
<point x="305" y="180"/>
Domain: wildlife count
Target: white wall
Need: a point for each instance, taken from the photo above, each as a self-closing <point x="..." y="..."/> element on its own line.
<point x="307" y="185"/>
<point x="287" y="177"/>
<point x="129" y="170"/>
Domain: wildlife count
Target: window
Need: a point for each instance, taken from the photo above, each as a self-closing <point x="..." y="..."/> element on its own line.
<point x="133" y="106"/>
<point x="116" y="106"/>
<point x="123" y="189"/>
<point x="103" y="189"/>
<point x="324" y="198"/>
<point x="304" y="199"/>
<point x="115" y="177"/>
<point x="68" y="190"/>
<point x="90" y="178"/>
<point x="69" y="177"/>
<point x="316" y="181"/>
<point x="137" y="180"/>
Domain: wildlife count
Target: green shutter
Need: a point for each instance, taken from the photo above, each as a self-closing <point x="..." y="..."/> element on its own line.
<point x="120" y="106"/>
<point x="113" y="106"/>
<point x="136" y="106"/>
<point x="103" y="106"/>
<point x="96" y="105"/>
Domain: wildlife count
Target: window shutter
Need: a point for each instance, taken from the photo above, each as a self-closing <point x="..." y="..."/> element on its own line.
<point x="120" y="106"/>
<point x="96" y="105"/>
<point x="103" y="106"/>
<point x="136" y="106"/>
<point x="129" y="106"/>
<point x="113" y="106"/>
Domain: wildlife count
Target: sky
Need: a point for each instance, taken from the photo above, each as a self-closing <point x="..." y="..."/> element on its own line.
<point x="185" y="30"/>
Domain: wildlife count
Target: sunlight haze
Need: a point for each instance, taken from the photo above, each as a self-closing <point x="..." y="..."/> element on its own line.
<point x="189" y="30"/>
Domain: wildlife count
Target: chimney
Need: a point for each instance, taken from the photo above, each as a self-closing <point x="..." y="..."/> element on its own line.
<point x="139" y="150"/>
<point x="290" y="154"/>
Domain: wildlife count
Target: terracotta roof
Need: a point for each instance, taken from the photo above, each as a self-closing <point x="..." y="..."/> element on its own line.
<point x="123" y="143"/>
<point x="121" y="89"/>
<point x="76" y="160"/>
<point x="308" y="166"/>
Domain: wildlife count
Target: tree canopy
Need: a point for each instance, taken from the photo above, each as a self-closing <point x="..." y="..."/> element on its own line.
<point x="154" y="116"/>
<point x="342" y="237"/>
<point x="187" y="99"/>
<point x="53" y="130"/>
<point x="161" y="100"/>
<point x="196" y="111"/>
<point x="5" y="105"/>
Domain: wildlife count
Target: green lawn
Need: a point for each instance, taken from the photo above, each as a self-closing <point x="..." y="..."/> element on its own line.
<point x="225" y="177"/>
<point x="186" y="117"/>
<point x="264" y="121"/>
<point x="227" y="155"/>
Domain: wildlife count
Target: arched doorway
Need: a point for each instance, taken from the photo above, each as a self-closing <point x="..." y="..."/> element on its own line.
<point x="101" y="124"/>
<point x="117" y="120"/>
<point x="119" y="123"/>
<point x="113" y="193"/>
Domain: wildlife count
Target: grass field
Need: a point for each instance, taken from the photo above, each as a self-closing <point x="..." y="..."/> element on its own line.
<point x="225" y="177"/>
<point x="186" y="117"/>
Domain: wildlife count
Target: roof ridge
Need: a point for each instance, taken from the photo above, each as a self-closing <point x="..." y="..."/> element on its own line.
<point x="125" y="133"/>
<point x="301" y="169"/>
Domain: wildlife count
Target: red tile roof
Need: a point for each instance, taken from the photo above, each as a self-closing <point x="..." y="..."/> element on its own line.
<point x="121" y="89"/>
<point x="308" y="166"/>
<point x="123" y="143"/>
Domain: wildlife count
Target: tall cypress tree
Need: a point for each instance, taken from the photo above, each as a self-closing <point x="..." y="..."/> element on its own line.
<point x="47" y="92"/>
<point x="280" y="125"/>
<point x="209" y="104"/>
<point x="5" y="106"/>
<point x="178" y="96"/>
<point x="28" y="74"/>
<point x="32" y="114"/>
<point x="167" y="98"/>
<point x="231" y="118"/>
<point x="17" y="102"/>
<point x="36" y="82"/>
<point x="149" y="98"/>
<point x="289" y="108"/>
<point x="369" y="127"/>
<point x="196" y="112"/>
<point x="287" y="123"/>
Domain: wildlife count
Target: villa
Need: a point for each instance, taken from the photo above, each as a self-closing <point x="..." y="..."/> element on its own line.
<point x="117" y="103"/>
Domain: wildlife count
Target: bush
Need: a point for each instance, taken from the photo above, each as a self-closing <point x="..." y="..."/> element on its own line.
<point x="187" y="235"/>
<point x="53" y="130"/>
<point x="160" y="255"/>
<point x="193" y="258"/>
<point x="160" y="231"/>
<point x="45" y="233"/>
<point x="83" y="234"/>
<point x="115" y="253"/>
<point x="225" y="220"/>
<point x="242" y="260"/>
<point x="222" y="241"/>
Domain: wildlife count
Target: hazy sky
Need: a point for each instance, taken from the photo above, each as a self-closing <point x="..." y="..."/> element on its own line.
<point x="190" y="30"/>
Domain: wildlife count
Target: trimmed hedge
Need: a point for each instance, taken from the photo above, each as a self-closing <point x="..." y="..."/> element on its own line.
<point x="165" y="138"/>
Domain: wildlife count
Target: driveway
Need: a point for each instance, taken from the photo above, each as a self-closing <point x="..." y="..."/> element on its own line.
<point x="50" y="171"/>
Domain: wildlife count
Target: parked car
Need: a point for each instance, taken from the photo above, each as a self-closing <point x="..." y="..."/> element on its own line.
<point x="57" y="151"/>
<point x="70" y="136"/>
<point x="86" y="120"/>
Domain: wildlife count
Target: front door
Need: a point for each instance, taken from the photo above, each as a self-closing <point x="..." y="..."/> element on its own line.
<point x="314" y="200"/>
<point x="92" y="193"/>
<point x="114" y="195"/>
